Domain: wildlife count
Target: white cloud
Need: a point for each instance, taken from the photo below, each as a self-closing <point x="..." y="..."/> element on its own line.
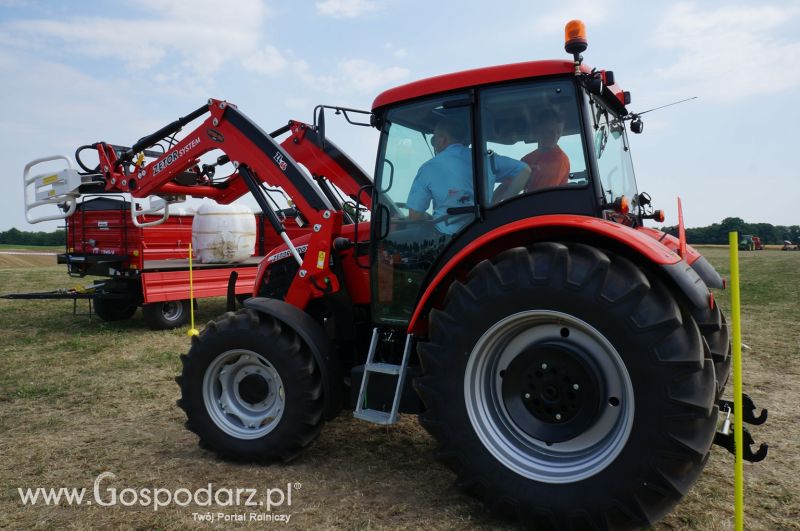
<point x="180" y="53"/>
<point x="364" y="76"/>
<point x="172" y="32"/>
<point x="47" y="121"/>
<point x="396" y="51"/>
<point x="267" y="61"/>
<point x="294" y="103"/>
<point x="729" y="53"/>
<point x="345" y="8"/>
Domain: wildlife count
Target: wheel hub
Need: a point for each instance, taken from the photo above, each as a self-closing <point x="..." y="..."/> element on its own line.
<point x="552" y="391"/>
<point x="243" y="394"/>
<point x="253" y="388"/>
<point x="171" y="310"/>
<point x="521" y="397"/>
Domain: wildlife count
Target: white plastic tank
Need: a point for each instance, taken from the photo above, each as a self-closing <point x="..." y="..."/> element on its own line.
<point x="181" y="210"/>
<point x="223" y="234"/>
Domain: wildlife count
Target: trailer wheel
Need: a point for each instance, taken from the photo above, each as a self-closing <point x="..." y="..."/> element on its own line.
<point x="568" y="388"/>
<point x="166" y="315"/>
<point x="114" y="309"/>
<point x="251" y="389"/>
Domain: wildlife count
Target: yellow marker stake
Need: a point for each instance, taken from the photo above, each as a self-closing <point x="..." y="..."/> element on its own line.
<point x="738" y="474"/>
<point x="192" y="331"/>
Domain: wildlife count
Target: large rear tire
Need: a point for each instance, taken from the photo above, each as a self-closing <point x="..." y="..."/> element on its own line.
<point x="714" y="329"/>
<point x="568" y="389"/>
<point x="251" y="389"/>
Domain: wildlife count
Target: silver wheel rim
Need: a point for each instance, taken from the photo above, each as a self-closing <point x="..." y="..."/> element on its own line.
<point x="558" y="462"/>
<point x="226" y="400"/>
<point x="172" y="310"/>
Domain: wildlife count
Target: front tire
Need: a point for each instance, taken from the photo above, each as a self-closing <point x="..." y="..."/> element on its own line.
<point x="251" y="389"/>
<point x="504" y="357"/>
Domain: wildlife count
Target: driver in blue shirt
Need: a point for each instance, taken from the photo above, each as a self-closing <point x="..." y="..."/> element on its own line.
<point x="447" y="179"/>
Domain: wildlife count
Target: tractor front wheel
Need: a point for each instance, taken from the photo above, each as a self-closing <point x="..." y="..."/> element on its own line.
<point x="568" y="388"/>
<point x="251" y="389"/>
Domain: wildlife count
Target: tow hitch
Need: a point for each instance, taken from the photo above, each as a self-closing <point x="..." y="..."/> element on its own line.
<point x="724" y="437"/>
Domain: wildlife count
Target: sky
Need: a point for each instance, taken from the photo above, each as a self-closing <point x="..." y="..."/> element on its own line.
<point x="78" y="72"/>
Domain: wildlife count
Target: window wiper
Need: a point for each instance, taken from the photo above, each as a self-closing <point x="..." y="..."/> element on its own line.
<point x="603" y="140"/>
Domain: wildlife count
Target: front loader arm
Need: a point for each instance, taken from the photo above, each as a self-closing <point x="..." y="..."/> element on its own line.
<point x="258" y="158"/>
<point x="228" y="130"/>
<point x="242" y="141"/>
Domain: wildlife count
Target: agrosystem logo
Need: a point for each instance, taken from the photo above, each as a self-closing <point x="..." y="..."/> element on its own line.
<point x="105" y="494"/>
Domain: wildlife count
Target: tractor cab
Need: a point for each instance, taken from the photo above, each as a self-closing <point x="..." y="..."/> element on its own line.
<point x="464" y="154"/>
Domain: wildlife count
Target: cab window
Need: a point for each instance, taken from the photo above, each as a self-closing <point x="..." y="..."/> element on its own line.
<point x="538" y="124"/>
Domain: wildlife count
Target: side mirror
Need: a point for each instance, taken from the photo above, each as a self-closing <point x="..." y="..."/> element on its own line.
<point x="595" y="85"/>
<point x="637" y="126"/>
<point x="321" y="125"/>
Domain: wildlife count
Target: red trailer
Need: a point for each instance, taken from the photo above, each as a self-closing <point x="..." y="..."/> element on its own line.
<point x="148" y="266"/>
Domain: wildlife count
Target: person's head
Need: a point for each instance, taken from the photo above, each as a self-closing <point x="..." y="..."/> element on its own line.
<point x="448" y="131"/>
<point x="549" y="127"/>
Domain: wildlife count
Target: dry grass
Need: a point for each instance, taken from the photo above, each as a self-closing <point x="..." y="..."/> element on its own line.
<point x="78" y="398"/>
<point x="20" y="258"/>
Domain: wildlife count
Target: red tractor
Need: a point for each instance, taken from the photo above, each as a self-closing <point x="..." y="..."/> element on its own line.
<point x="568" y="360"/>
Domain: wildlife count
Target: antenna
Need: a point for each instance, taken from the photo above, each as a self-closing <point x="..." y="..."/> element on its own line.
<point x="637" y="126"/>
<point x="661" y="107"/>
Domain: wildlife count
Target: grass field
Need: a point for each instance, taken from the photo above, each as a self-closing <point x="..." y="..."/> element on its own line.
<point x="80" y="397"/>
<point x="42" y="248"/>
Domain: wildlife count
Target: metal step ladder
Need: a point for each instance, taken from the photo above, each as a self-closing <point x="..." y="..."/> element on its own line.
<point x="374" y="415"/>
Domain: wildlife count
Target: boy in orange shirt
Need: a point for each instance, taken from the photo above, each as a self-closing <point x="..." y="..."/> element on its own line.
<point x="549" y="164"/>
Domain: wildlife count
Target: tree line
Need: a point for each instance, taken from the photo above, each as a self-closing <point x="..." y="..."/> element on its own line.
<point x="15" y="236"/>
<point x="717" y="233"/>
<point x="714" y="233"/>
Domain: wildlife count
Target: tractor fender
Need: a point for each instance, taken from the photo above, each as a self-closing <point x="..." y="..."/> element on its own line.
<point x="698" y="262"/>
<point x="617" y="237"/>
<point x="314" y="336"/>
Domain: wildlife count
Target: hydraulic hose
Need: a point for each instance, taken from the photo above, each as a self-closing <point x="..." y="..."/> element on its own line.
<point x="165" y="131"/>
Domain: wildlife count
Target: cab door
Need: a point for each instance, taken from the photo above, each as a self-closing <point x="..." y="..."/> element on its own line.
<point x="424" y="199"/>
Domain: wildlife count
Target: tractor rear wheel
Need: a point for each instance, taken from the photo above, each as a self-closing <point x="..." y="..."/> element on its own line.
<point x="251" y="389"/>
<point x="568" y="388"/>
<point x="715" y="332"/>
<point x="722" y="361"/>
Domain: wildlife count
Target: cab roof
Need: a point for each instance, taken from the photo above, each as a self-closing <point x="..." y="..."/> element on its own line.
<point x="487" y="76"/>
<point x="474" y="77"/>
